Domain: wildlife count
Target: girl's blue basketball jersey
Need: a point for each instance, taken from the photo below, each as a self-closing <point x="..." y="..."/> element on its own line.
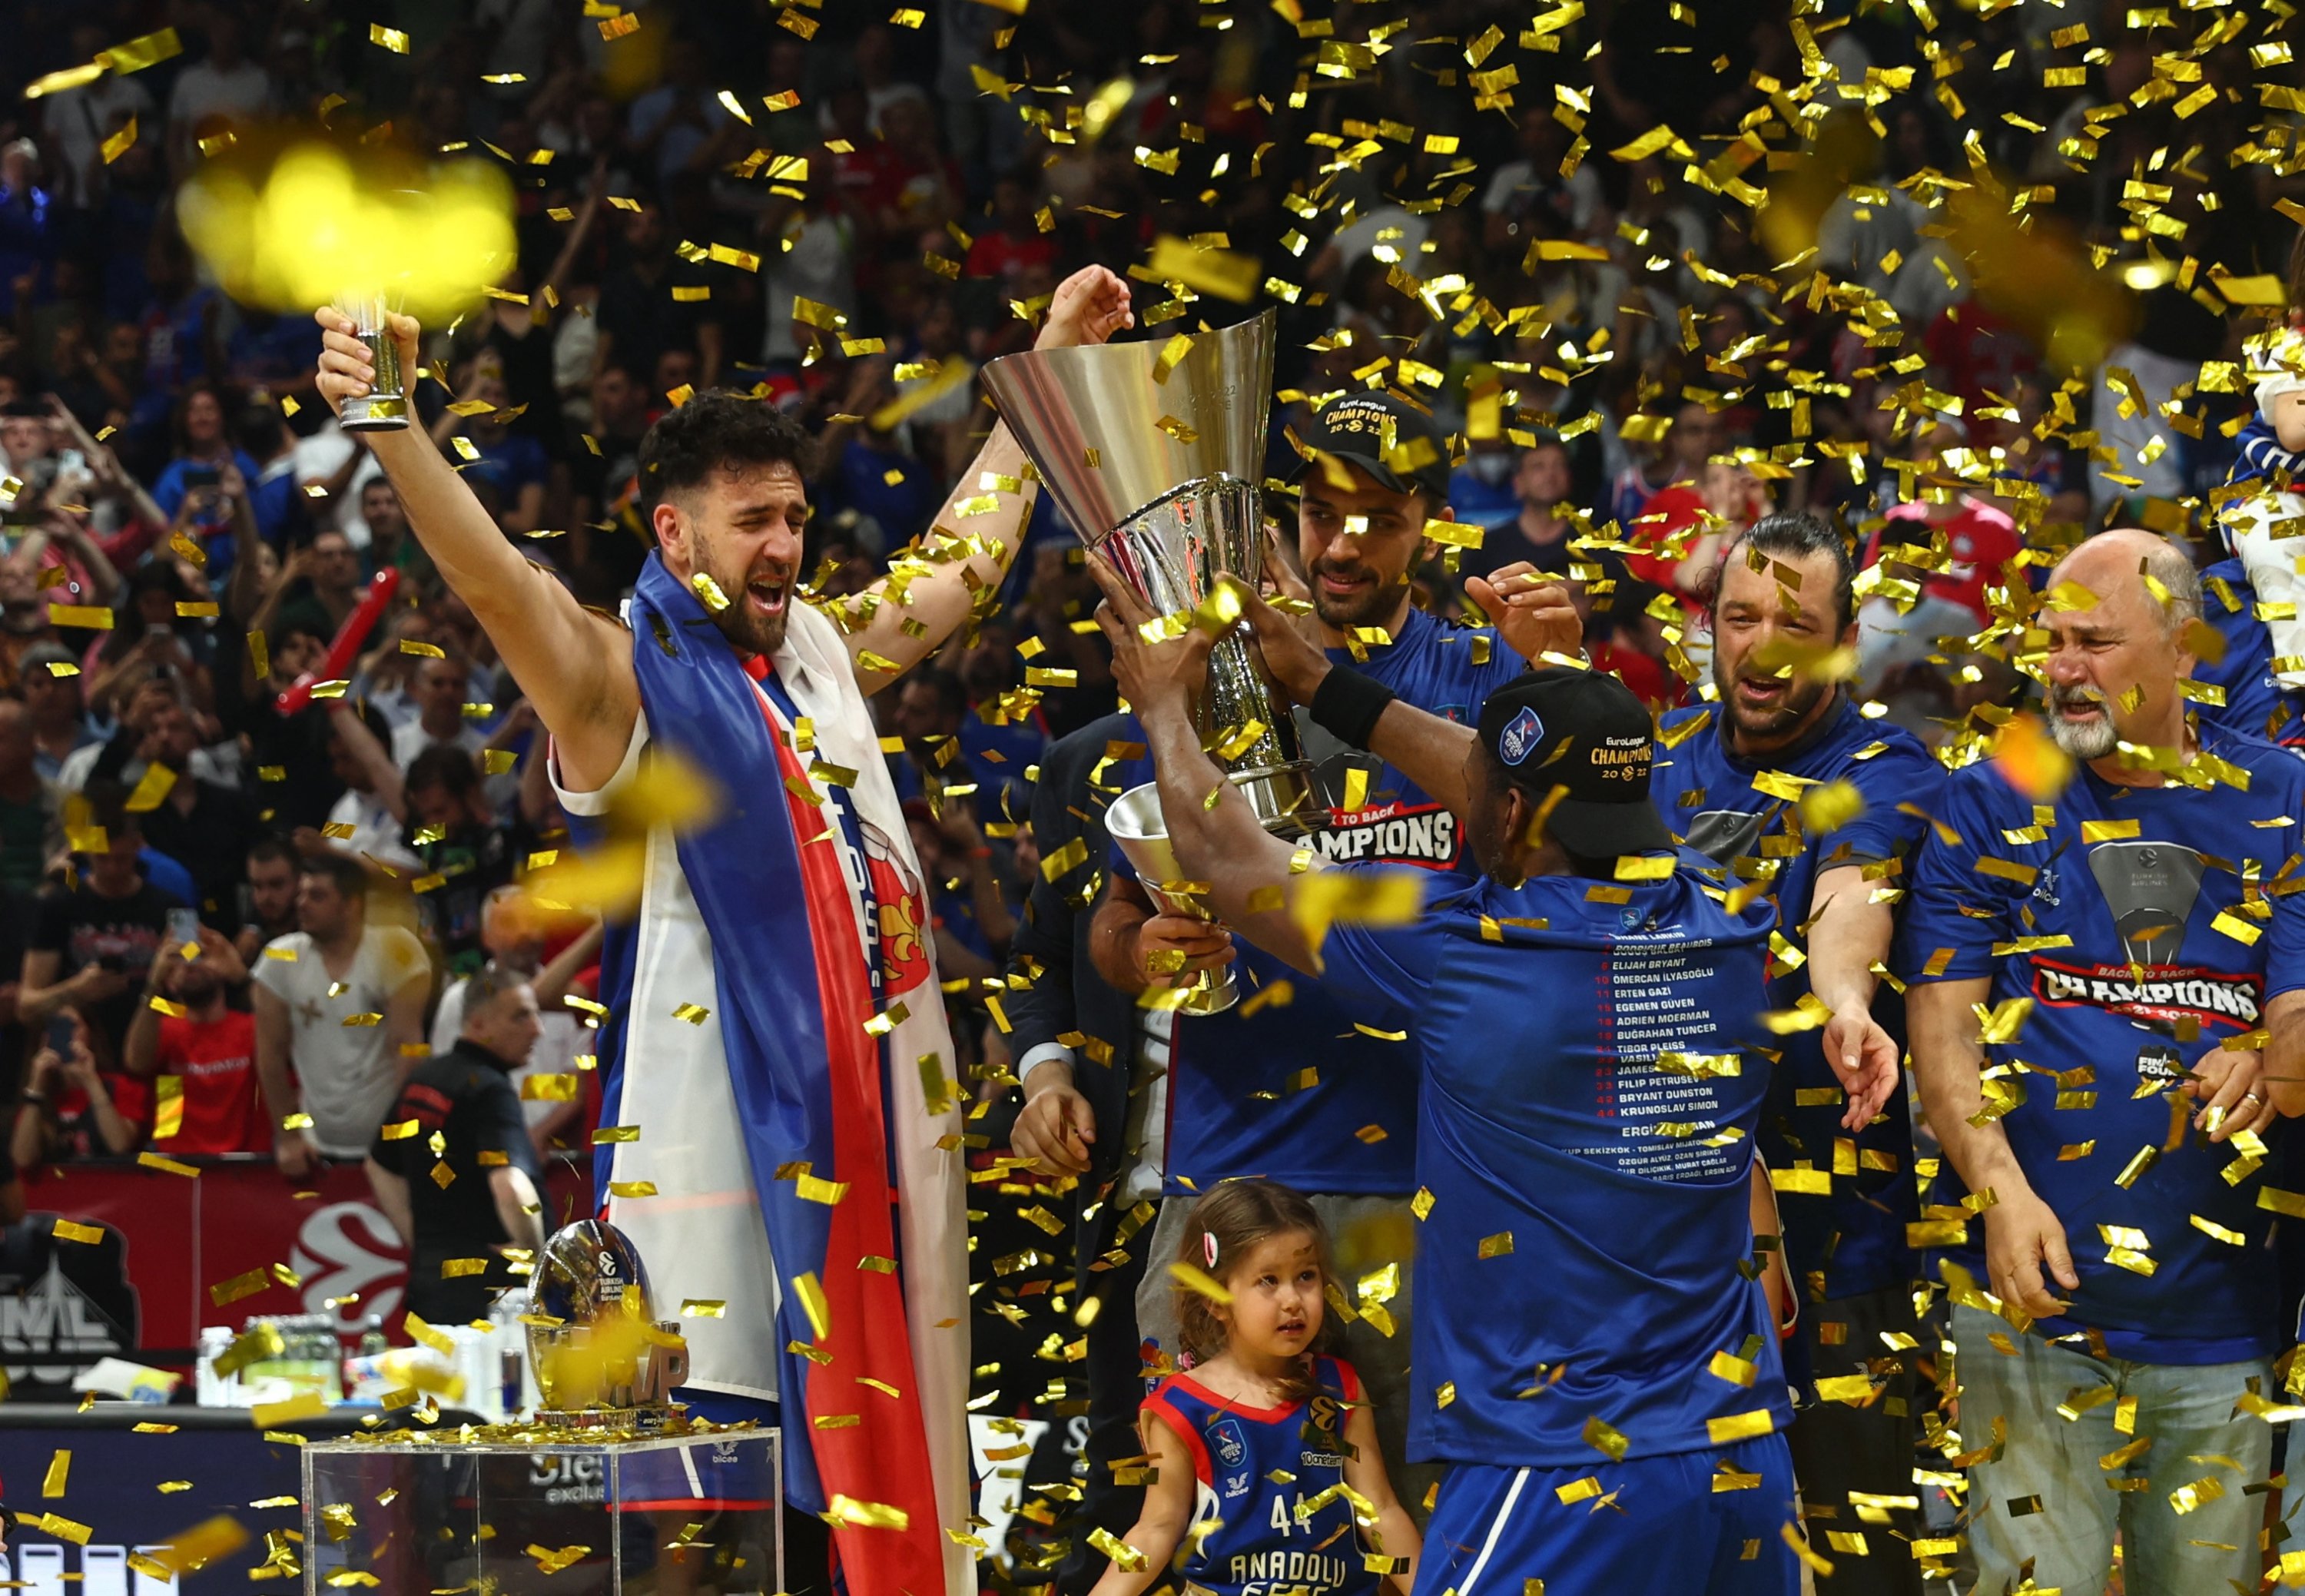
<point x="1253" y="1468"/>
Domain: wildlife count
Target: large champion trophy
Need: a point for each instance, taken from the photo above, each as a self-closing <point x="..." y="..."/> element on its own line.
<point x="1159" y="475"/>
<point x="602" y="1359"/>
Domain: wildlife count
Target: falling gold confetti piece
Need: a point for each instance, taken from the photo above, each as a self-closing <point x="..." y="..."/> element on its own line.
<point x="166" y="1165"/>
<point x="390" y="38"/>
<point x="304" y="1404"/>
<point x="1201" y="1280"/>
<point x="870" y="1515"/>
<point x="702" y="1308"/>
<point x="59" y="1466"/>
<point x="67" y="1230"/>
<point x="1739" y="1427"/>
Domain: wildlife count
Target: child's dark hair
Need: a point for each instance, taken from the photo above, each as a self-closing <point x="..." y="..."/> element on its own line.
<point x="1224" y="1226"/>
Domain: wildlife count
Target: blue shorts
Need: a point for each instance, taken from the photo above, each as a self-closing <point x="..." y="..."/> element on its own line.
<point x="1657" y="1528"/>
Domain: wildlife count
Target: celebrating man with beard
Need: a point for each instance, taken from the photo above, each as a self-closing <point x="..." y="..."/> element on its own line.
<point x="1785" y="784"/>
<point x="2106" y="980"/>
<point x="765" y="1038"/>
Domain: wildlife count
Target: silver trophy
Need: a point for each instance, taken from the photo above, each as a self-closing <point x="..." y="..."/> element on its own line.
<point x="1159" y="475"/>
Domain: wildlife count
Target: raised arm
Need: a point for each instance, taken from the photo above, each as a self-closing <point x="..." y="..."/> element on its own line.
<point x="1089" y="307"/>
<point x="371" y="756"/>
<point x="575" y="666"/>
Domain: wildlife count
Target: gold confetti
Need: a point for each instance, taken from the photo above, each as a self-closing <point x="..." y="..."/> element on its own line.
<point x="53" y="1486"/>
<point x="1200" y="1280"/>
<point x="68" y="1230"/>
<point x="390" y="38"/>
<point x="871" y="1515"/>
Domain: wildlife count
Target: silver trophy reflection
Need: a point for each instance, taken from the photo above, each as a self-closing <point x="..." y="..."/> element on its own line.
<point x="602" y="1358"/>
<point x="1159" y="475"/>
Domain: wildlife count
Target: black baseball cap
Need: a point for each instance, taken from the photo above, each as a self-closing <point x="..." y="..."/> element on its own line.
<point x="1582" y="730"/>
<point x="1382" y="433"/>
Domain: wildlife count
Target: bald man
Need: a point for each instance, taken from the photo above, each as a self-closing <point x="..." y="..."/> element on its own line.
<point x="2144" y="973"/>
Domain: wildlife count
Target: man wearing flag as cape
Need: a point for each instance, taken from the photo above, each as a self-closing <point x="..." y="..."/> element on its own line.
<point x="778" y="1108"/>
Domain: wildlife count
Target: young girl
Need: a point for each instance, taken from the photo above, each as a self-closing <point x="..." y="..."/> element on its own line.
<point x="1251" y="1445"/>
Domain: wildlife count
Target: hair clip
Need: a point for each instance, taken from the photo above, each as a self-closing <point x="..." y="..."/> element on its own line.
<point x="1209" y="1247"/>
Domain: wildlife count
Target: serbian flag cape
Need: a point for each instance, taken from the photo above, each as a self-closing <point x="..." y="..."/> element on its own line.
<point x="871" y="1322"/>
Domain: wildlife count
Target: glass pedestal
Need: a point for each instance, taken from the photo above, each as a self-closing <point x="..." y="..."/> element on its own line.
<point x="541" y="1513"/>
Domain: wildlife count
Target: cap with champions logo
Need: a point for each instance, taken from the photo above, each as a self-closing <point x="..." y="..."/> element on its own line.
<point x="1363" y="429"/>
<point x="1583" y="731"/>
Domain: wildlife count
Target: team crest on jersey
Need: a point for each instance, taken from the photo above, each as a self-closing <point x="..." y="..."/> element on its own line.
<point x="1520" y="737"/>
<point x="1231" y="1445"/>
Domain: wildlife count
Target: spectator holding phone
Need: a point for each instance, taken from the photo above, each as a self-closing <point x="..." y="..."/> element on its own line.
<point x="91" y="937"/>
<point x="201" y="1051"/>
<point x="71" y="1109"/>
<point x="203" y="449"/>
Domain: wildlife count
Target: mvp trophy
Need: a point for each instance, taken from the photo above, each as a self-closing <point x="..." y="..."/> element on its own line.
<point x="1159" y="475"/>
<point x="606" y="1362"/>
<point x="608" y="1488"/>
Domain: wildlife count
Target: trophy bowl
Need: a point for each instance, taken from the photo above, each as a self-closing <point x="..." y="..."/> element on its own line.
<point x="1156" y="464"/>
<point x="1136" y="823"/>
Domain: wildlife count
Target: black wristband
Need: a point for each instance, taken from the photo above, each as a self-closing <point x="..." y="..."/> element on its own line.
<point x="1347" y="704"/>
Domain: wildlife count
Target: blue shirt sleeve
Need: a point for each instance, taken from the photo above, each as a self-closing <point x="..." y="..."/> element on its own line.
<point x="1385" y="968"/>
<point x="1952" y="905"/>
<point x="1903" y="775"/>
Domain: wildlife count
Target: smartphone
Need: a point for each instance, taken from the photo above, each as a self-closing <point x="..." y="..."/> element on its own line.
<point x="70" y="461"/>
<point x="62" y="1028"/>
<point x="200" y="476"/>
<point x="184" y="926"/>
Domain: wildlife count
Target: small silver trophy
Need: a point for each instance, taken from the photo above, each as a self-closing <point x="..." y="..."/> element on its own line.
<point x="1156" y="463"/>
<point x="603" y="1359"/>
<point x="385" y="407"/>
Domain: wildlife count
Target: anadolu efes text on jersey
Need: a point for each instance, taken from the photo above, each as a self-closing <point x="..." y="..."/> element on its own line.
<point x="1268" y="1516"/>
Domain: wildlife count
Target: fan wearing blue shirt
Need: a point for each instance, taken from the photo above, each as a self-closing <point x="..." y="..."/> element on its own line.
<point x="1735" y="780"/>
<point x="1283" y="1085"/>
<point x="1594" y="1354"/>
<point x="2138" y="957"/>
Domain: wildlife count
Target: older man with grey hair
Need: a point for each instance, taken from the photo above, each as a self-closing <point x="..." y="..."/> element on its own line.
<point x="2107" y="975"/>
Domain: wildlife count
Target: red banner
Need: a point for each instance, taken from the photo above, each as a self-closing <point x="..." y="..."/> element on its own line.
<point x="179" y="1238"/>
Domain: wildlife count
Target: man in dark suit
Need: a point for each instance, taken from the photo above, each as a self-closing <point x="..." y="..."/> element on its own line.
<point x="1080" y="1053"/>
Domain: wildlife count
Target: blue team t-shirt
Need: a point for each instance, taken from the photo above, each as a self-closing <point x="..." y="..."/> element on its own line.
<point x="2153" y="959"/>
<point x="2255" y="702"/>
<point x="1588" y="1103"/>
<point x="1251" y="1469"/>
<point x="1855" y="1236"/>
<point x="1240" y="1099"/>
